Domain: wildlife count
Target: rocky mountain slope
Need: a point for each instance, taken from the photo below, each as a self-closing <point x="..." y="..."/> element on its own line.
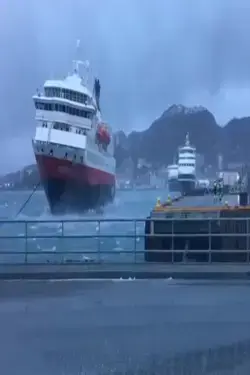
<point x="159" y="143"/>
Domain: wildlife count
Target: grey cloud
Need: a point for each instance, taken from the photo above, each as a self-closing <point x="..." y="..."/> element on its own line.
<point x="148" y="55"/>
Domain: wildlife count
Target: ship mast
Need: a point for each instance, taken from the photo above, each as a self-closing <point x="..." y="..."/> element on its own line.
<point x="187" y="142"/>
<point x="77" y="62"/>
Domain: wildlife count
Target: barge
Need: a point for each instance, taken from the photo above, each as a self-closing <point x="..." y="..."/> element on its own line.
<point x="200" y="229"/>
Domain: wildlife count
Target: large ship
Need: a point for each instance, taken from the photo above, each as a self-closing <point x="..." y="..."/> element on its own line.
<point x="173" y="182"/>
<point x="73" y="147"/>
<point x="187" y="167"/>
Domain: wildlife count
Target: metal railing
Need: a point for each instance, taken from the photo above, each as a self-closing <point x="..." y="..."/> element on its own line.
<point x="118" y="240"/>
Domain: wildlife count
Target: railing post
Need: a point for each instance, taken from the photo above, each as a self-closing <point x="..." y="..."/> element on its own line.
<point x="209" y="240"/>
<point x="172" y="240"/>
<point x="26" y="243"/>
<point x="248" y="257"/>
<point x="61" y="242"/>
<point x="62" y="222"/>
<point x="135" y="241"/>
<point x="99" y="240"/>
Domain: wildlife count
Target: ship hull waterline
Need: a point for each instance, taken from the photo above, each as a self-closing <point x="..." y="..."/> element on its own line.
<point x="187" y="187"/>
<point x="173" y="185"/>
<point x="73" y="187"/>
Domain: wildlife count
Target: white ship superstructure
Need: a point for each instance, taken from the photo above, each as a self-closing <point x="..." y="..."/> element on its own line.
<point x="187" y="166"/>
<point x="173" y="182"/>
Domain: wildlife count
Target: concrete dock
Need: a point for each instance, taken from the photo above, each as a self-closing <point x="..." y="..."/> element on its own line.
<point x="124" y="327"/>
<point x="205" y="201"/>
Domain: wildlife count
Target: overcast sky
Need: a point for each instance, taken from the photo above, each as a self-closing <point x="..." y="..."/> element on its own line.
<point x="148" y="55"/>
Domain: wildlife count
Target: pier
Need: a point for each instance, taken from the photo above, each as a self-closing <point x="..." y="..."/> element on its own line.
<point x="203" y="229"/>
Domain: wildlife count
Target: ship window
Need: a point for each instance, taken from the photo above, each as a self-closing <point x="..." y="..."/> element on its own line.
<point x="52" y="92"/>
<point x="81" y="98"/>
<point x="89" y="115"/>
<point x="41" y="105"/>
<point x="66" y="109"/>
<point x="66" y="94"/>
<point x="73" y="96"/>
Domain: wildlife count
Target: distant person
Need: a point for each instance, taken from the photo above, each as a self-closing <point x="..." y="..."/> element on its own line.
<point x="220" y="189"/>
<point x="215" y="188"/>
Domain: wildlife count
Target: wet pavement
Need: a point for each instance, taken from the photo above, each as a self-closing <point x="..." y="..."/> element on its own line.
<point x="96" y="327"/>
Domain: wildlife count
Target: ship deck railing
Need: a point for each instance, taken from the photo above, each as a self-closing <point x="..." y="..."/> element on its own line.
<point x="110" y="241"/>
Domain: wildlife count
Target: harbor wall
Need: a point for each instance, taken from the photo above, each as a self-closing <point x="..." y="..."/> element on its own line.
<point x="126" y="271"/>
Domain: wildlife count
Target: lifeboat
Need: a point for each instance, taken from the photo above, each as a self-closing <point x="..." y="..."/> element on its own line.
<point x="103" y="135"/>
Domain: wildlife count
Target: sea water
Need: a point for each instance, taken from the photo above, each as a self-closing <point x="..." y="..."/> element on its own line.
<point x="40" y="226"/>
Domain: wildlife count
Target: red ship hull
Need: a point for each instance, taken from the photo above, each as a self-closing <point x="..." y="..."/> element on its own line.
<point x="73" y="187"/>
